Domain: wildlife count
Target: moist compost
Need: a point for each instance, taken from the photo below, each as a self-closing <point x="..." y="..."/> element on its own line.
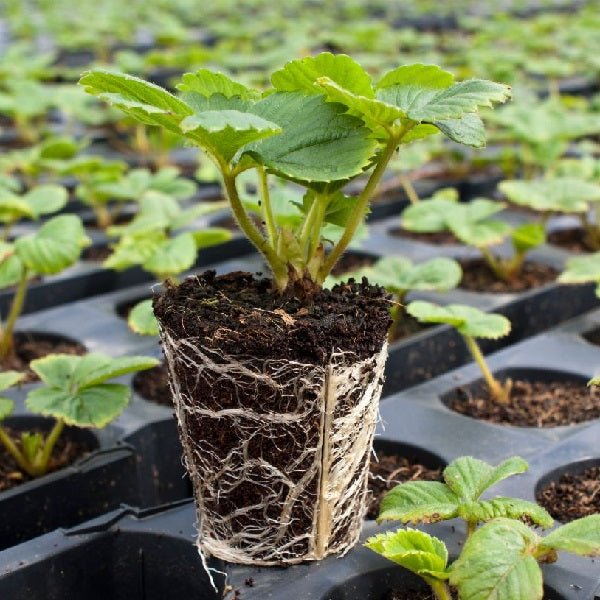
<point x="533" y="404"/>
<point x="96" y="253"/>
<point x="65" y="453"/>
<point x="573" y="495"/>
<point x="153" y="385"/>
<point x="437" y="238"/>
<point x="478" y="277"/>
<point x="30" y="345"/>
<point x="571" y="239"/>
<point x="253" y="371"/>
<point x="390" y="470"/>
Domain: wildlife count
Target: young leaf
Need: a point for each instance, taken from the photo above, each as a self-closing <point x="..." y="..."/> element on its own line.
<point x="582" y="269"/>
<point x="467" y="320"/>
<point x="510" y="508"/>
<point x="55" y="246"/>
<point x="579" y="537"/>
<point x="10" y="378"/>
<point x="134" y="250"/>
<point x="558" y="194"/>
<point x="173" y="256"/>
<point x="11" y="266"/>
<point x="429" y="215"/>
<point x="211" y="236"/>
<point x="497" y="562"/>
<point x="45" y="199"/>
<point x="31" y="442"/>
<point x="414" y="550"/>
<point x="141" y="319"/>
<point x="419" y="502"/>
<point x="208" y="83"/>
<point x="528" y="236"/>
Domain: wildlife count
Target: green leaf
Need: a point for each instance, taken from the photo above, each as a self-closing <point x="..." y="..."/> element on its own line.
<point x="31" y="444"/>
<point x="429" y="215"/>
<point x="497" y="564"/>
<point x="10" y="378"/>
<point x="144" y="101"/>
<point x="468" y="129"/>
<point x="467" y="320"/>
<point x="470" y="223"/>
<point x="134" y="250"/>
<point x="419" y="502"/>
<point x="13" y="207"/>
<point x="93" y="368"/>
<point x="224" y="132"/>
<point x="510" y="508"/>
<point x="313" y="131"/>
<point x="56" y="370"/>
<point x="211" y="236"/>
<point x="6" y="407"/>
<point x="173" y="256"/>
<point x="469" y="477"/>
<point x="141" y="319"/>
<point x="45" y="199"/>
<point x="302" y="74"/>
<point x="558" y="194"/>
<point x="11" y="269"/>
<point x="92" y="407"/>
<point x="414" y="550"/>
<point x="581" y="269"/>
<point x="579" y="537"/>
<point x="419" y="76"/>
<point x="208" y="83"/>
<point x="528" y="236"/>
<point x="55" y="246"/>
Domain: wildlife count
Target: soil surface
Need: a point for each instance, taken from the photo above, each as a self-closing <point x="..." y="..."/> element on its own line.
<point x="96" y="253"/>
<point x="29" y="346"/>
<point x="572" y="496"/>
<point x="533" y="404"/>
<point x="409" y="594"/>
<point x="390" y="470"/>
<point x="65" y="452"/>
<point x="571" y="239"/>
<point x="478" y="277"/>
<point x="437" y="238"/>
<point x="153" y="385"/>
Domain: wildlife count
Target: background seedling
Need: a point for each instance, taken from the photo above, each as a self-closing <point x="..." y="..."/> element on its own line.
<point x="471" y="323"/>
<point x="75" y="393"/>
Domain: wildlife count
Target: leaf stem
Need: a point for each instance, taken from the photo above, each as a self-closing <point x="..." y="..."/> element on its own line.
<point x="16" y="308"/>
<point x="14" y="451"/>
<point x="360" y="208"/>
<point x="440" y="589"/>
<point x="40" y="464"/>
<point x="267" y="209"/>
<point x="499" y="393"/>
<point x="409" y="188"/>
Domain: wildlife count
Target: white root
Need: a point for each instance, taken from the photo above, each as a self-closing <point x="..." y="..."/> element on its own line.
<point x="304" y="497"/>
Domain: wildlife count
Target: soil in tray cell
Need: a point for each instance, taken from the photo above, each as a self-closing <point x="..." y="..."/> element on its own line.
<point x="571" y="239"/>
<point x="532" y="403"/>
<point x="153" y="385"/>
<point x="96" y="253"/>
<point x="437" y="238"/>
<point x="478" y="277"/>
<point x="66" y="452"/>
<point x="572" y="495"/>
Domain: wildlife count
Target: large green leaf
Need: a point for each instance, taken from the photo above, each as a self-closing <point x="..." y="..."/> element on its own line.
<point x="55" y="246"/>
<point x="419" y="502"/>
<point x="224" y="132"/>
<point x="497" y="563"/>
<point x="93" y="369"/>
<point x="510" y="508"/>
<point x="469" y="477"/>
<point x="143" y="101"/>
<point x="579" y="537"/>
<point x="141" y="319"/>
<point x="313" y="131"/>
<point x="414" y="550"/>
<point x="558" y="194"/>
<point x="467" y="320"/>
<point x="173" y="256"/>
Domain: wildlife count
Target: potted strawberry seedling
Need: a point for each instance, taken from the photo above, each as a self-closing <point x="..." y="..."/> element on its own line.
<point x="74" y="393"/>
<point x="56" y="245"/>
<point x="501" y="559"/>
<point x="276" y="381"/>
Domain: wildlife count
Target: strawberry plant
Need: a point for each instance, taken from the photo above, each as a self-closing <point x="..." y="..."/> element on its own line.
<point x="471" y="224"/>
<point x="498" y="560"/>
<point x="322" y="123"/>
<point x="471" y="323"/>
<point x="75" y="393"/>
<point x="399" y="276"/>
<point x="56" y="245"/>
<point x="582" y="269"/>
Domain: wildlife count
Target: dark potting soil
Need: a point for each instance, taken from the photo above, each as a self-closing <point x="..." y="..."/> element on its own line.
<point x="352" y="262"/>
<point x="533" y="404"/>
<point x="571" y="239"/>
<point x="573" y="495"/>
<point x="437" y="238"/>
<point x="66" y="452"/>
<point x="409" y="594"/>
<point x="478" y="277"/>
<point x="29" y="346"/>
<point x="390" y="470"/>
<point x="153" y="385"/>
<point x="96" y="253"/>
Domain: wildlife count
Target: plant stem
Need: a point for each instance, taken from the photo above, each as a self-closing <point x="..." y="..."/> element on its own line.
<point x="16" y="308"/>
<point x="497" y="390"/>
<point x="440" y="589"/>
<point x="360" y="208"/>
<point x="278" y="267"/>
<point x="103" y="216"/>
<point x="495" y="264"/>
<point x="471" y="527"/>
<point x="14" y="451"/>
<point x="315" y="239"/>
<point x="40" y="464"/>
<point x="409" y="188"/>
<point x="267" y="209"/>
